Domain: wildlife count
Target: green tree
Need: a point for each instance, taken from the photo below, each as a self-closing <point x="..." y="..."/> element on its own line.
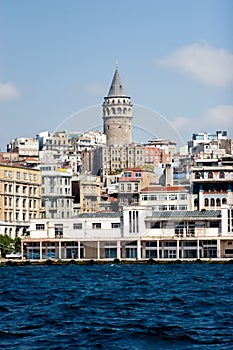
<point x="9" y="245"/>
<point x="5" y="245"/>
<point x="17" y="243"/>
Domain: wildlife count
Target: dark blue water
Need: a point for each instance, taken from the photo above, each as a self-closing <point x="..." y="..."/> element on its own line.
<point x="116" y="307"/>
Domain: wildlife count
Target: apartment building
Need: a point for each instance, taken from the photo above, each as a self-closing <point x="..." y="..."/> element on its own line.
<point x="20" y="198"/>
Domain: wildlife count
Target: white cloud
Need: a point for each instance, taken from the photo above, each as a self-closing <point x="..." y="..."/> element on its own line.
<point x="213" y="67"/>
<point x="216" y="118"/>
<point x="8" y="91"/>
<point x="95" y="89"/>
<point x="220" y="117"/>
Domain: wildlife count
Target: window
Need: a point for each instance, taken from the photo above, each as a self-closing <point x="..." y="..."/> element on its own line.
<point x="129" y="187"/>
<point x="162" y="197"/>
<point x="122" y="187"/>
<point x="155" y="224"/>
<point x="136" y="187"/>
<point x="96" y="225"/>
<point x="128" y="174"/>
<point x="77" y="226"/>
<point x="212" y="202"/>
<point x="115" y="224"/>
<point x="5" y="173"/>
<point x="58" y="230"/>
<point x="137" y="174"/>
<point x="172" y="196"/>
<point x="214" y="224"/>
<point x="18" y="175"/>
<point x="221" y="175"/>
<point x="25" y="176"/>
<point x="40" y="227"/>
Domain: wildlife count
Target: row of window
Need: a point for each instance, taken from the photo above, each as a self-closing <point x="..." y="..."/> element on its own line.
<point x="163" y="197"/>
<point x="9" y="216"/>
<point x="9" y="202"/>
<point x="65" y="191"/>
<point x="129" y="187"/>
<point x="8" y="188"/>
<point x="76" y="226"/>
<point x="56" y="180"/>
<point x="210" y="175"/>
<point x="20" y="175"/>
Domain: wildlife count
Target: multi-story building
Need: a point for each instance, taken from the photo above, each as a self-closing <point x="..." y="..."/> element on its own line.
<point x="163" y="198"/>
<point x="89" y="193"/>
<point x="212" y="185"/>
<point x="20" y="198"/>
<point x="135" y="233"/>
<point x="56" y="191"/>
<point x="24" y="146"/>
<point x="131" y="183"/>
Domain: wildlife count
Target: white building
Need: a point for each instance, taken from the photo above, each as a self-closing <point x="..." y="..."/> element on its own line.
<point x="134" y="233"/>
<point x="24" y="146"/>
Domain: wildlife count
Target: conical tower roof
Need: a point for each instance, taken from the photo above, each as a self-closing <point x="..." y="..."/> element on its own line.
<point x="116" y="88"/>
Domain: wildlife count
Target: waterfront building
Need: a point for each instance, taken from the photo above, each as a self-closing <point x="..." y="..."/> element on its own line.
<point x="20" y="198"/>
<point x="135" y="233"/>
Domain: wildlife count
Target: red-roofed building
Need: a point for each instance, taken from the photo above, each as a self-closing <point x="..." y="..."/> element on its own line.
<point x="166" y="197"/>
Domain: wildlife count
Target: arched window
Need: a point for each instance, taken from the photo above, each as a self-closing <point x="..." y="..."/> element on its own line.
<point x="197" y="175"/>
<point x="113" y="110"/>
<point x="212" y="202"/>
<point x="224" y="201"/>
<point x="113" y="101"/>
<point x="107" y="111"/>
<point x="206" y="202"/>
<point x="222" y="175"/>
<point x="210" y="175"/>
<point x="218" y="202"/>
<point x="124" y="111"/>
<point x="195" y="202"/>
<point x="119" y="101"/>
<point x="118" y="110"/>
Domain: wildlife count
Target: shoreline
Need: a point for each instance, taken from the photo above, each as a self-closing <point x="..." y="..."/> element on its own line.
<point x="14" y="262"/>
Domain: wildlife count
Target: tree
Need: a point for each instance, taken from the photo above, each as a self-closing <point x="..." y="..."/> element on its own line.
<point x="9" y="245"/>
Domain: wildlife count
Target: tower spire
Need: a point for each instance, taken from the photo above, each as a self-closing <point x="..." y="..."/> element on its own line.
<point x="116" y="88"/>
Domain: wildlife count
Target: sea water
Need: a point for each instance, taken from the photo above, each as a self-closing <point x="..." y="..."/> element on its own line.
<point x="116" y="306"/>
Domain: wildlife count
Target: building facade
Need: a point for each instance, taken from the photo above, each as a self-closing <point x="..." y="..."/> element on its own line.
<point x="20" y="198"/>
<point x="134" y="233"/>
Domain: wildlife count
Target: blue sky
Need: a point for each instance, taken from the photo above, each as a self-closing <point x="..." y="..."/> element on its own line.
<point x="58" y="57"/>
